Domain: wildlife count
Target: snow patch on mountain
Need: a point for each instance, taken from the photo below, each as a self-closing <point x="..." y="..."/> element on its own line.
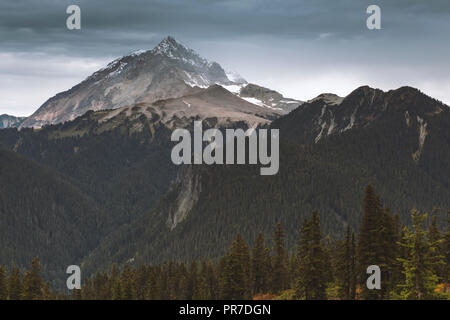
<point x="235" y="77"/>
<point x="259" y="103"/>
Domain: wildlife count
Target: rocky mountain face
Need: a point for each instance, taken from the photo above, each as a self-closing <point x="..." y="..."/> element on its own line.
<point x="329" y="114"/>
<point x="7" y="121"/>
<point x="268" y="98"/>
<point x="170" y="70"/>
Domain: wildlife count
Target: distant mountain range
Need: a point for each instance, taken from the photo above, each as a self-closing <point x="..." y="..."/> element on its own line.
<point x="7" y="121"/>
<point x="95" y="184"/>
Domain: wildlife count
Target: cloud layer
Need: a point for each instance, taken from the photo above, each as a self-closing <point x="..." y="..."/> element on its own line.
<point x="299" y="47"/>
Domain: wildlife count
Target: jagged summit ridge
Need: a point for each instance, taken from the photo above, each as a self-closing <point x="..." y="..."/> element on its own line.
<point x="173" y="49"/>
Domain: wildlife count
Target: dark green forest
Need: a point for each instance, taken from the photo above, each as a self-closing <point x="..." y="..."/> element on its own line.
<point x="96" y="193"/>
<point x="414" y="264"/>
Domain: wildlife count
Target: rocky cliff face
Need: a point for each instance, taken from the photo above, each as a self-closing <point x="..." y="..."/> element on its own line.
<point x="7" y="121"/>
<point x="188" y="187"/>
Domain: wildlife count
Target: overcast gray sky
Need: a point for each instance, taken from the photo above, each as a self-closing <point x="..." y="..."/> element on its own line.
<point x="299" y="47"/>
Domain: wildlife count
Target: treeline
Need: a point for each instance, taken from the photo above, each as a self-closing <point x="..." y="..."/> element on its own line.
<point x="414" y="264"/>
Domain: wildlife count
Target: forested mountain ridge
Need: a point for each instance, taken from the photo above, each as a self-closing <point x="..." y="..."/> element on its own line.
<point x="43" y="214"/>
<point x="398" y="141"/>
<point x="120" y="159"/>
<point x="122" y="162"/>
<point x="327" y="114"/>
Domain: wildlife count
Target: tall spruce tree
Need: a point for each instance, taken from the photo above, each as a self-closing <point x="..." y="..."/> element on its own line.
<point x="353" y="282"/>
<point x="345" y="266"/>
<point x="32" y="282"/>
<point x="15" y="284"/>
<point x="279" y="260"/>
<point x="207" y="286"/>
<point x="141" y="283"/>
<point x="127" y="280"/>
<point x="192" y="284"/>
<point x="434" y="235"/>
<point x="260" y="266"/>
<point x="302" y="280"/>
<point x="396" y="275"/>
<point x="319" y="268"/>
<point x="388" y="238"/>
<point x="3" y="284"/>
<point x="420" y="280"/>
<point x="447" y="254"/>
<point x="313" y="270"/>
<point x="235" y="274"/>
<point x="376" y="244"/>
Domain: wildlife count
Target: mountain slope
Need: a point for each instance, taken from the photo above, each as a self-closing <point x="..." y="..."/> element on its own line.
<point x="167" y="71"/>
<point x="42" y="214"/>
<point x="170" y="70"/>
<point x="208" y="205"/>
<point x="268" y="98"/>
<point x="214" y="102"/>
<point x="123" y="162"/>
<point x="121" y="157"/>
<point x="7" y="121"/>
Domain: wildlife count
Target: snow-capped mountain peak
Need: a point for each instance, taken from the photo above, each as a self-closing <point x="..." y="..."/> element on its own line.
<point x="171" y="48"/>
<point x="170" y="70"/>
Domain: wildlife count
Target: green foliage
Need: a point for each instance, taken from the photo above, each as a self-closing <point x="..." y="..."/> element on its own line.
<point x="3" y="284"/>
<point x="279" y="260"/>
<point x="93" y="192"/>
<point x="345" y="267"/>
<point x="32" y="282"/>
<point x="234" y="278"/>
<point x="260" y="266"/>
<point x="237" y="275"/>
<point x="15" y="286"/>
<point x="42" y="214"/>
<point x="419" y="264"/>
<point x="312" y="262"/>
<point x="376" y="244"/>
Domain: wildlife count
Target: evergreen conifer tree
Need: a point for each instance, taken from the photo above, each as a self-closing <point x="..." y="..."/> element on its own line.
<point x="15" y="284"/>
<point x="32" y="282"/>
<point x="3" y="284"/>
<point x="279" y="260"/>
<point x="235" y="273"/>
<point x="260" y="266"/>
<point x="420" y="281"/>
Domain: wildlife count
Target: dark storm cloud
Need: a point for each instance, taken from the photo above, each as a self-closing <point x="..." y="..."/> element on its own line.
<point x="298" y="47"/>
<point x="113" y="27"/>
